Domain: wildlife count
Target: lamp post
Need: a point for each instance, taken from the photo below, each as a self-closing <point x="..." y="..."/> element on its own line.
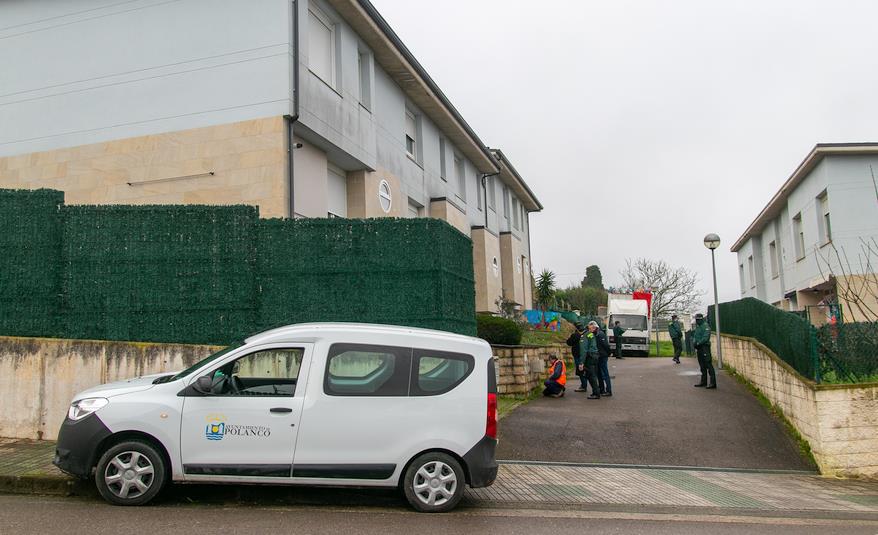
<point x="711" y="241"/>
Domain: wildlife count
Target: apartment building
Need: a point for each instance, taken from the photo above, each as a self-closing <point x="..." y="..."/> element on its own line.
<point x="306" y="108"/>
<point x="809" y="239"/>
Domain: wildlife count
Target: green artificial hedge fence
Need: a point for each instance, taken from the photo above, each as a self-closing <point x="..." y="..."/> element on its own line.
<point x="215" y="274"/>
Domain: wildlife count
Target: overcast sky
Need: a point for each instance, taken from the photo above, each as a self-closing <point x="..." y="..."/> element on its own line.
<point x="644" y="125"/>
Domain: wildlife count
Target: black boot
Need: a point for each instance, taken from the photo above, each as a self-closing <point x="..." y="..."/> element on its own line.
<point x="699" y="385"/>
<point x="711" y="386"/>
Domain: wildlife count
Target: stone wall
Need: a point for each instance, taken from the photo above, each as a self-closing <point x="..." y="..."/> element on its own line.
<point x="840" y="422"/>
<point x="520" y="369"/>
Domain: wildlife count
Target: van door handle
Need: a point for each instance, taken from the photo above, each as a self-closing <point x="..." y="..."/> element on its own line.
<point x="281" y="409"/>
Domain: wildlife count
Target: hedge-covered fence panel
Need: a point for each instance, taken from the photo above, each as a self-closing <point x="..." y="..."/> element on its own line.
<point x="214" y="274"/>
<point x="30" y="271"/>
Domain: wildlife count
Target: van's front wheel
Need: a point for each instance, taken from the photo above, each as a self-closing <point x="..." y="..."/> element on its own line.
<point x="130" y="473"/>
<point x="434" y="483"/>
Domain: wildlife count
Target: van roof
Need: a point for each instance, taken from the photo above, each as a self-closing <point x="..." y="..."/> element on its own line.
<point x="319" y="329"/>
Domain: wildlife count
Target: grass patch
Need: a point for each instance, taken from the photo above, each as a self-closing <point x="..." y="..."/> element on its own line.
<point x="804" y="446"/>
<point x="508" y="403"/>
<point x="543" y="338"/>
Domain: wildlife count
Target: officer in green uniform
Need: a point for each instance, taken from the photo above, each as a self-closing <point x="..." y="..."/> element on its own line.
<point x="675" y="329"/>
<point x="588" y="351"/>
<point x="701" y="338"/>
<point x="618" y="331"/>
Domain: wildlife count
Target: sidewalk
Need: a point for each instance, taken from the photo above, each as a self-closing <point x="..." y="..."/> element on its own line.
<point x="25" y="468"/>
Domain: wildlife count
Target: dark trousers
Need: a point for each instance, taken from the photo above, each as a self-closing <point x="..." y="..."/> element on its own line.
<point x="591" y="373"/>
<point x="552" y="387"/>
<point x="580" y="373"/>
<point x="705" y="362"/>
<point x="618" y="349"/>
<point x="678" y="347"/>
<point x="604" y="376"/>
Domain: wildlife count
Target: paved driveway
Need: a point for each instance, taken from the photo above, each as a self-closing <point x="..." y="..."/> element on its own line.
<point x="655" y="417"/>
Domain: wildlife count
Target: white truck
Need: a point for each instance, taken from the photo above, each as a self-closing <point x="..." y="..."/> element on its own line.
<point x="633" y="316"/>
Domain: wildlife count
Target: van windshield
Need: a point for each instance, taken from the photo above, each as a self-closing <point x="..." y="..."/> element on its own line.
<point x="206" y="360"/>
<point x="629" y="321"/>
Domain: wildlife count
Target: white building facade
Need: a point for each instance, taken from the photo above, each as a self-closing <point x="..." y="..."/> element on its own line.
<point x="306" y="108"/>
<point x="805" y="250"/>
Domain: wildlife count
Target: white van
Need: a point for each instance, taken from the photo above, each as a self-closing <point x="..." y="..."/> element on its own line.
<point x="311" y="404"/>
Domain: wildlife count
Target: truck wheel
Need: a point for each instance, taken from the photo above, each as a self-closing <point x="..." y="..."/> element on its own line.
<point x="434" y="483"/>
<point x="130" y="473"/>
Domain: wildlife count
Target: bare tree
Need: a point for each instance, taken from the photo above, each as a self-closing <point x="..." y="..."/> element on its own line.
<point x="673" y="289"/>
<point x="856" y="282"/>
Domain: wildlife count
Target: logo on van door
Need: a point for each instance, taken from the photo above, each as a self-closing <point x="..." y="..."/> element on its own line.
<point x="216" y="427"/>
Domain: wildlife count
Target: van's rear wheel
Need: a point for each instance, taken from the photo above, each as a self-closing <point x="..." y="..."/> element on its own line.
<point x="130" y="473"/>
<point x="434" y="483"/>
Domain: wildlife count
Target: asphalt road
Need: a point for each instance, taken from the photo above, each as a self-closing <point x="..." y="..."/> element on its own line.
<point x="27" y="515"/>
<point x="655" y="417"/>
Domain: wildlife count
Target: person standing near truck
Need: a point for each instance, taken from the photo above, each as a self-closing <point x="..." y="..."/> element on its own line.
<point x="675" y="329"/>
<point x="618" y="331"/>
<point x="701" y="339"/>
<point x="588" y="350"/>
<point x="573" y="342"/>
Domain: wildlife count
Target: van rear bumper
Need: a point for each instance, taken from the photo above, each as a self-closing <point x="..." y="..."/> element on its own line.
<point x="481" y="463"/>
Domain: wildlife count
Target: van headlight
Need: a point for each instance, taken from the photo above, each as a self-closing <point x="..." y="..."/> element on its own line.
<point x="82" y="408"/>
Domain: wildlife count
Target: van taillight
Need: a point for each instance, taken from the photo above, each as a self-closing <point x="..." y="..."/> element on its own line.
<point x="491" y="426"/>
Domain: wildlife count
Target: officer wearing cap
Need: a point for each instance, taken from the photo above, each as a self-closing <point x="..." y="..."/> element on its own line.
<point x="573" y="342"/>
<point x="701" y="338"/>
<point x="675" y="329"/>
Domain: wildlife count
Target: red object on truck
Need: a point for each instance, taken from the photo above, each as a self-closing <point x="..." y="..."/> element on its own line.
<point x="646" y="296"/>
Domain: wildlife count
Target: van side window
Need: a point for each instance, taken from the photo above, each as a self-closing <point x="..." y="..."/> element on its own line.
<point x="367" y="370"/>
<point x="437" y="372"/>
<point x="270" y="372"/>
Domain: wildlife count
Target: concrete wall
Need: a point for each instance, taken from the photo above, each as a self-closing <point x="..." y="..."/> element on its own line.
<point x="489" y="282"/>
<point x="88" y="71"/>
<point x="247" y="159"/>
<point x="840" y="422"/>
<point x="39" y="376"/>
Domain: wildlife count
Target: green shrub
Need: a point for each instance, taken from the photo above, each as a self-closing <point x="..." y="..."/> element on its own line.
<point x="498" y="331"/>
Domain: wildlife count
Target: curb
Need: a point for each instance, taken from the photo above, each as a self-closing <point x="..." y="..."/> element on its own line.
<point x="42" y="484"/>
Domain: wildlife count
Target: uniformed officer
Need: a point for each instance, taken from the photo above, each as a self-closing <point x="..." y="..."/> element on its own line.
<point x="675" y="329"/>
<point x="588" y="350"/>
<point x="618" y="331"/>
<point x="701" y="338"/>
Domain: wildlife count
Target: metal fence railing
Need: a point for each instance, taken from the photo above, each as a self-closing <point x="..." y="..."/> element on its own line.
<point x="835" y="352"/>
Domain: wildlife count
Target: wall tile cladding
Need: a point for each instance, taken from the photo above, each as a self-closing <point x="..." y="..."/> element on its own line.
<point x="520" y="369"/>
<point x="840" y="422"/>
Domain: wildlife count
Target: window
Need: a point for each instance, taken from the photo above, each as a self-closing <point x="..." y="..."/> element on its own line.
<point x="752" y="271"/>
<point x="492" y="194"/>
<point x="415" y="208"/>
<point x="411" y="134"/>
<point x="364" y="68"/>
<point x="495" y="266"/>
<point x="461" y="177"/>
<point x="367" y="370"/>
<point x="439" y="372"/>
<point x="741" y="274"/>
<point x="772" y="259"/>
<point x="505" y="202"/>
<point x="337" y="192"/>
<point x="799" y="236"/>
<point x="823" y="224"/>
<point x="384" y="197"/>
<point x="515" y="213"/>
<point x="321" y="45"/>
<point x="442" y="172"/>
<point x="270" y="372"/>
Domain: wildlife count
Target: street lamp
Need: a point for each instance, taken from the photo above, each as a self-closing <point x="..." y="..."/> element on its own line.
<point x="711" y="241"/>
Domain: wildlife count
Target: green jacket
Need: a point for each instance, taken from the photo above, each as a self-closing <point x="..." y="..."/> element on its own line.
<point x="702" y="334"/>
<point x="588" y="344"/>
<point x="618" y="332"/>
<point x="675" y="329"/>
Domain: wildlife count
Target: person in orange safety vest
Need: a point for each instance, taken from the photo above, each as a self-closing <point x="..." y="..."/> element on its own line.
<point x="556" y="384"/>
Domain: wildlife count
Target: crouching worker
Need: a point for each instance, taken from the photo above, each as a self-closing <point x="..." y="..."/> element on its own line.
<point x="556" y="384"/>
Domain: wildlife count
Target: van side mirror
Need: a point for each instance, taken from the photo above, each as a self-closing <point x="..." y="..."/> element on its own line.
<point x="203" y="385"/>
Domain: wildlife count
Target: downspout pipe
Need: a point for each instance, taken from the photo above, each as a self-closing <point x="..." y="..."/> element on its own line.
<point x="292" y="119"/>
<point x="485" y="178"/>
